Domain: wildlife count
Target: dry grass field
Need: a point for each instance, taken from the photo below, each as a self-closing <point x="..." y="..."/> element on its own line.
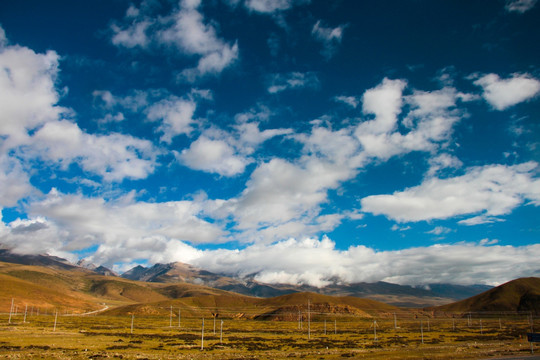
<point x="168" y="319"/>
<point x="162" y="337"/>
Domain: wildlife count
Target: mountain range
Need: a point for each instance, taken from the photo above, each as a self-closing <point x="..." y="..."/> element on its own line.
<point x="177" y="272"/>
<point x="49" y="283"/>
<point x="399" y="295"/>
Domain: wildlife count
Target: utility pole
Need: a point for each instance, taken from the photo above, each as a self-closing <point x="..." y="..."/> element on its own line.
<point x="422" y="330"/>
<point x="202" y="335"/>
<point x="375" y="330"/>
<point x="55" y="318"/>
<point x="309" y="320"/>
<point x="221" y="333"/>
<point x="10" y="311"/>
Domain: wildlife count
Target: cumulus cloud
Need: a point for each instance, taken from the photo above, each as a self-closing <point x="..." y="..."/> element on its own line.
<point x="176" y="115"/>
<point x="489" y="191"/>
<point x="283" y="199"/>
<point x="29" y="97"/>
<point x="504" y="93"/>
<point x="441" y="162"/>
<point x="227" y="153"/>
<point x="35" y="236"/>
<point x="519" y="6"/>
<point x="213" y="156"/>
<point x="426" y="127"/>
<point x="186" y="30"/>
<point x="329" y="37"/>
<point x="123" y="228"/>
<point x="15" y="182"/>
<point x="318" y="263"/>
<point x="113" y="156"/>
<point x="32" y="123"/>
<point x="132" y="36"/>
<point x="294" y="80"/>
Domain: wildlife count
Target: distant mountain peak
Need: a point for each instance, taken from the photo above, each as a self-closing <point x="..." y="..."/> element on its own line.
<point x="40" y="260"/>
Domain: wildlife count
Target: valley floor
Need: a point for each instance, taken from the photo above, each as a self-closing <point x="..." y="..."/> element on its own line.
<point x="151" y="337"/>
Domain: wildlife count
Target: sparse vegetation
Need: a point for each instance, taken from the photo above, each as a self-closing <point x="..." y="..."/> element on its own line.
<point x="100" y="337"/>
<point x="167" y="321"/>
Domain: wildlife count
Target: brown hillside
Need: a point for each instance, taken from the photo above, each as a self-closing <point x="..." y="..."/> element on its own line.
<point x="123" y="290"/>
<point x="43" y="297"/>
<point x="517" y="295"/>
<point x="286" y="307"/>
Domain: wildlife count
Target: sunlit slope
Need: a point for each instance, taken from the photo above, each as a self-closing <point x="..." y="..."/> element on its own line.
<point x="45" y="298"/>
<point x="517" y="295"/>
<point x="287" y="307"/>
<point x="80" y="290"/>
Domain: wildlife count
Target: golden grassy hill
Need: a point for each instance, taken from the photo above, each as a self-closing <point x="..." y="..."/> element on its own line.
<point x="80" y="290"/>
<point x="286" y="307"/>
<point x="516" y="295"/>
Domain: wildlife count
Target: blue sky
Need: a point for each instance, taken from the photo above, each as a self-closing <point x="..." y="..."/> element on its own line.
<point x="301" y="141"/>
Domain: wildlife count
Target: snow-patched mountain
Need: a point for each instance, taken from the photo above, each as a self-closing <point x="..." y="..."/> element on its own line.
<point x="401" y="295"/>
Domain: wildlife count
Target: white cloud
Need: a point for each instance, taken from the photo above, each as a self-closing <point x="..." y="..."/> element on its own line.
<point x="190" y="34"/>
<point x="283" y="199"/>
<point x="490" y="190"/>
<point x="329" y="37"/>
<point x="383" y="101"/>
<point x="29" y="97"/>
<point x="31" y="123"/>
<point x="176" y="115"/>
<point x="35" y="236"/>
<point x="228" y="153"/>
<point x="185" y="29"/>
<point x="439" y="230"/>
<point x="352" y="101"/>
<point x="114" y="156"/>
<point x="441" y="162"/>
<point x="214" y="156"/>
<point x="15" y="182"/>
<point x="123" y="228"/>
<point x="426" y="126"/>
<point x="504" y="93"/>
<point x="272" y="6"/>
<point x="519" y="6"/>
<point x="480" y="219"/>
<point x="318" y="263"/>
<point x="294" y="80"/>
<point x="3" y="38"/>
<point x="132" y="36"/>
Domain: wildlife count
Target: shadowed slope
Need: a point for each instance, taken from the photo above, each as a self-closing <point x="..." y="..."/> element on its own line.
<point x="517" y="295"/>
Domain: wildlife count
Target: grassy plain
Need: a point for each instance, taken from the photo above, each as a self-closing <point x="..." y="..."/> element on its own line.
<point x="160" y="337"/>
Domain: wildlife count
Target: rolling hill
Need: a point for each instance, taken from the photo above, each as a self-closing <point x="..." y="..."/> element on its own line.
<point x="285" y="307"/>
<point x="80" y="290"/>
<point x="50" y="283"/>
<point x="516" y="295"/>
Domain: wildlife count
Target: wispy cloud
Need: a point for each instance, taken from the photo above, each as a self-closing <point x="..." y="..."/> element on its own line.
<point x="272" y="6"/>
<point x="519" y="6"/>
<point x="294" y="80"/>
<point x="329" y="37"/>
